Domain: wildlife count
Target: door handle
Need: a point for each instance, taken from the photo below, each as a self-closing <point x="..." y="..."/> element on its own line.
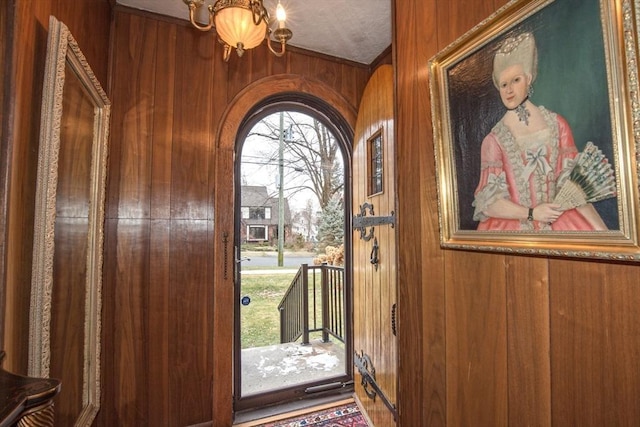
<point x="373" y="258"/>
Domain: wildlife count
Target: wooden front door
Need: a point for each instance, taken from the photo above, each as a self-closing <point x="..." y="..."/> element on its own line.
<point x="374" y="250"/>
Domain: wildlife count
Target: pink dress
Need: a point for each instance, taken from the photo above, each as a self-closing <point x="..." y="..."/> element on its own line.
<point x="527" y="171"/>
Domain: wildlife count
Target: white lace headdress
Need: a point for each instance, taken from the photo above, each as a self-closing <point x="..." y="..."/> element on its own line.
<point x="520" y="49"/>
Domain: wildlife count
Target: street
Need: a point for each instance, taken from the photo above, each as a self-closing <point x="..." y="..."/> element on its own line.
<point x="255" y="259"/>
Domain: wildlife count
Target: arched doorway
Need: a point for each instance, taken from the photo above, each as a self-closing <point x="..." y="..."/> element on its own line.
<point x="342" y="113"/>
<point x="311" y="353"/>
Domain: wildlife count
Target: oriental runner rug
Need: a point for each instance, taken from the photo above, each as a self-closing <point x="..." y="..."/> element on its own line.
<point x="341" y="414"/>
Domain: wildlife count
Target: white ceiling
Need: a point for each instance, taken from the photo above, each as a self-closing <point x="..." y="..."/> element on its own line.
<point x="355" y="30"/>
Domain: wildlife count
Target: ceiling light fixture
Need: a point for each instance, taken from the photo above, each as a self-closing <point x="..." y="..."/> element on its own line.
<point x="242" y="24"/>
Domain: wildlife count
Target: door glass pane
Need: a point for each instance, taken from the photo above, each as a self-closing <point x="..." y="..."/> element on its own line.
<point x="375" y="156"/>
<point x="291" y="282"/>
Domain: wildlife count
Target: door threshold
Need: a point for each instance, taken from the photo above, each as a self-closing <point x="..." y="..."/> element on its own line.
<point x="248" y="417"/>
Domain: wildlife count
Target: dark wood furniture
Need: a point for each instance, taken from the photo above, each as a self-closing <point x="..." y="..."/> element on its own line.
<point x="26" y="401"/>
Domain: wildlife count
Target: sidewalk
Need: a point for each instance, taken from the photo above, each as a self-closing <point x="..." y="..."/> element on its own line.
<point x="258" y="272"/>
<point x="275" y="253"/>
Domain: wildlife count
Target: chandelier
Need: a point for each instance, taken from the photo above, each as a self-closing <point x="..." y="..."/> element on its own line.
<point x="242" y="24"/>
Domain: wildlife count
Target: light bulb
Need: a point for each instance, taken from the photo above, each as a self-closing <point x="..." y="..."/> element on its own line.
<point x="281" y="15"/>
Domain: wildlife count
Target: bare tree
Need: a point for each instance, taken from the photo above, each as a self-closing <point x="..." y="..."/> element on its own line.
<point x="312" y="158"/>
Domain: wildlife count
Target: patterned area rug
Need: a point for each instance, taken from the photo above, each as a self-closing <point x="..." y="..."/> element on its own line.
<point x="346" y="415"/>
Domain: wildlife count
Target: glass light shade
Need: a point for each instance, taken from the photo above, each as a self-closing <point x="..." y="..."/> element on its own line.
<point x="235" y="25"/>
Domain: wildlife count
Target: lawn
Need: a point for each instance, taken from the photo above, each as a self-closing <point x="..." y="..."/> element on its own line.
<point x="260" y="320"/>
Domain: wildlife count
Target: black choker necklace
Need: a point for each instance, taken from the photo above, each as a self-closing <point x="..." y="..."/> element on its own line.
<point x="522" y="112"/>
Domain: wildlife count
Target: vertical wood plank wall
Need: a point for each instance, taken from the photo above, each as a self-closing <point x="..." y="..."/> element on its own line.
<point x="163" y="281"/>
<point x="486" y="339"/>
<point x="26" y="42"/>
<point x="490" y="339"/>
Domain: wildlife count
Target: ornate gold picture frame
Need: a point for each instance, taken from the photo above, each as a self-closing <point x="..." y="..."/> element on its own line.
<point x="66" y="288"/>
<point x="537" y="128"/>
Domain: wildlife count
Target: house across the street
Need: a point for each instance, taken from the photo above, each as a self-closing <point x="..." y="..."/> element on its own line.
<point x="260" y="213"/>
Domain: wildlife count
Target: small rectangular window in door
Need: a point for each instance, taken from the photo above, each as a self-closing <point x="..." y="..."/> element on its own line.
<point x="375" y="161"/>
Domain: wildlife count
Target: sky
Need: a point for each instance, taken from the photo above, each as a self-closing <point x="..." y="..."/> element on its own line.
<point x="259" y="169"/>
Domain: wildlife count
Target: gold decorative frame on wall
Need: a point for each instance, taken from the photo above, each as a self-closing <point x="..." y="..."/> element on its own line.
<point x="69" y="211"/>
<point x="587" y="73"/>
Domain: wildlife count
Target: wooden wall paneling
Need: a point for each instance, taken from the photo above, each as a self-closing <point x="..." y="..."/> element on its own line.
<point x="132" y="124"/>
<point x="254" y="65"/>
<point x="89" y="22"/>
<point x="316" y="68"/>
<point x="190" y="314"/>
<point x="120" y="105"/>
<point x="258" y="63"/>
<point x="278" y="65"/>
<point x="130" y="323"/>
<point x="191" y="297"/>
<point x="325" y="71"/>
<point x="130" y="170"/>
<point x="240" y="71"/>
<point x="219" y="75"/>
<point x="29" y="28"/>
<point x="353" y="83"/>
<point x="107" y="416"/>
<point x="302" y="65"/>
<point x="127" y="287"/>
<point x="29" y="51"/>
<point x="162" y="114"/>
<point x="595" y="376"/>
<point x="421" y="296"/>
<point x="453" y="24"/>
<point x="160" y="339"/>
<point x="193" y="141"/>
<point x="528" y="337"/>
<point x="476" y="339"/>
<point x="6" y="93"/>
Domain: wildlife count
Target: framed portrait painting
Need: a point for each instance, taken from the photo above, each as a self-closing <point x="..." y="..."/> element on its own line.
<point x="536" y="128"/>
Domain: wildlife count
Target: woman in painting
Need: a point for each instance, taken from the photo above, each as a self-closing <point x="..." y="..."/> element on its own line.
<point x="527" y="155"/>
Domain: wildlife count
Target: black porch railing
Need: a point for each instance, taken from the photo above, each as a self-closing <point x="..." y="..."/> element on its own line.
<point x="314" y="302"/>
